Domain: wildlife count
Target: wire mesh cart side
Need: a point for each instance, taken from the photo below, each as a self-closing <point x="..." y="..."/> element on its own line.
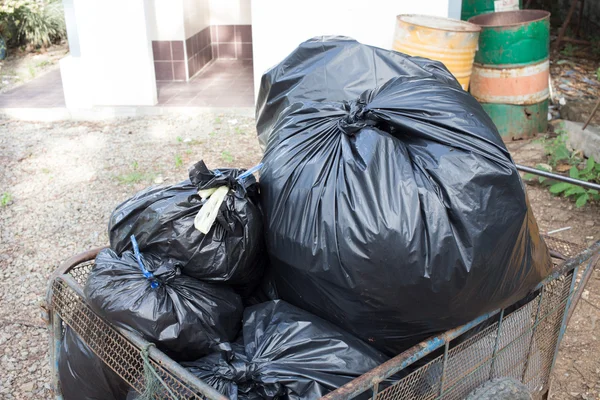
<point x="126" y="353"/>
<point x="519" y="342"/>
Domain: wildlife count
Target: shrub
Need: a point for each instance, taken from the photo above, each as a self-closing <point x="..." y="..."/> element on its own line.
<point x="36" y="23"/>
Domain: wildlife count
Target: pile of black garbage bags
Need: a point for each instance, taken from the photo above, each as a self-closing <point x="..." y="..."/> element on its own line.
<point x="388" y="210"/>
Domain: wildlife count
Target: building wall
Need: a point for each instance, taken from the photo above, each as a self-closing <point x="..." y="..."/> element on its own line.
<point x="279" y="26"/>
<point x="165" y="19"/>
<point x="231" y="12"/>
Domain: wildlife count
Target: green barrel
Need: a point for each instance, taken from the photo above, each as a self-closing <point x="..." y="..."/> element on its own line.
<point x="472" y="8"/>
<point x="511" y="70"/>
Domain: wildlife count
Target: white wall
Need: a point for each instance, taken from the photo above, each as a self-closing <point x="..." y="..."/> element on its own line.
<point x="196" y="15"/>
<point x="236" y="12"/>
<point x="278" y="27"/>
<point x="115" y="66"/>
<point x="165" y="19"/>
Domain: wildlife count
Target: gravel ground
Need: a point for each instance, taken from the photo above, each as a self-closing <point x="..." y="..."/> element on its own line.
<point x="58" y="185"/>
<point x="60" y="181"/>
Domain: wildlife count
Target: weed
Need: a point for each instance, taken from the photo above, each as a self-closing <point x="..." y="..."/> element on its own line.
<point x="212" y="134"/>
<point x="557" y="151"/>
<point x="132" y="177"/>
<point x="32" y="72"/>
<point x="188" y="152"/>
<point x="179" y="139"/>
<point x="134" y="165"/>
<point x="226" y="156"/>
<point x="5" y="199"/>
<point x="45" y="170"/>
<point x="569" y="50"/>
<point x="43" y="64"/>
<point x="217" y="120"/>
<point x="598" y="74"/>
<point x="178" y="161"/>
<point x="238" y="130"/>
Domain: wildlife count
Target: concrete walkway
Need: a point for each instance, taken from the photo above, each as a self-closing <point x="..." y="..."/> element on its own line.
<point x="223" y="84"/>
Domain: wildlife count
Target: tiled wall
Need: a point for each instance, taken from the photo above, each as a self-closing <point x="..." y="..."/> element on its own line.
<point x="216" y="41"/>
<point x="199" y="51"/>
<point x="232" y="41"/>
<point x="169" y="60"/>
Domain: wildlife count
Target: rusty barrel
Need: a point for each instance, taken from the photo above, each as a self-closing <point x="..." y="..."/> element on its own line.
<point x="511" y="70"/>
<point x="472" y="8"/>
<point x="450" y="41"/>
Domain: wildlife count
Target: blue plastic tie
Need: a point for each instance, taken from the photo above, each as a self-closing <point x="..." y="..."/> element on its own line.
<point x="136" y="250"/>
<point x="249" y="172"/>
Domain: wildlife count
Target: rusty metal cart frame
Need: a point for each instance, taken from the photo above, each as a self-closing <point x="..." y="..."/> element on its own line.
<point x="517" y="342"/>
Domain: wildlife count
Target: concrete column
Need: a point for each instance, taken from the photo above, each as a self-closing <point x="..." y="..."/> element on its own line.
<point x="115" y="65"/>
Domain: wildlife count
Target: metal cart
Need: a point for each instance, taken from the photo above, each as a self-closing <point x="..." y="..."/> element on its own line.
<point x="519" y="342"/>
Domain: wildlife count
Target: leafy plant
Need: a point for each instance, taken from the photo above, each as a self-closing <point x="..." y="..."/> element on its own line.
<point x="226" y="156"/>
<point x="179" y="139"/>
<point x="178" y="161"/>
<point x="598" y="74"/>
<point x="31" y="71"/>
<point x="36" y="23"/>
<point x="132" y="177"/>
<point x="134" y="165"/>
<point x="217" y="120"/>
<point x="569" y="50"/>
<point x="589" y="173"/>
<point x="5" y="199"/>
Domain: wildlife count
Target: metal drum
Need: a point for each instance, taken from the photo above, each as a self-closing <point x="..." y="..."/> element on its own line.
<point x="472" y="8"/>
<point x="450" y="41"/>
<point x="511" y="70"/>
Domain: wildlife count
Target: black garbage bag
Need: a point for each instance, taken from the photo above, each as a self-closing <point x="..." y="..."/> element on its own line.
<point x="186" y="318"/>
<point x="83" y="375"/>
<point x="287" y="353"/>
<point x="162" y="219"/>
<point x="396" y="214"/>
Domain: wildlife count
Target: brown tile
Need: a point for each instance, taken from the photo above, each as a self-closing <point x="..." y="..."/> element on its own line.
<point x="163" y="70"/>
<point x="213" y="33"/>
<point x="161" y="50"/>
<point x="203" y="39"/>
<point x="177" y="50"/>
<point x="225" y="33"/>
<point x="210" y="54"/>
<point x="200" y="60"/>
<point x="179" y="70"/>
<point x="192" y="66"/>
<point x="188" y="47"/>
<point x="243" y="33"/>
<point x="226" y="50"/>
<point x="244" y="51"/>
<point x="207" y="35"/>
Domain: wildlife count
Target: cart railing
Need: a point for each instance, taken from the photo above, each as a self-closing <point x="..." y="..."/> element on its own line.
<point x="519" y="342"/>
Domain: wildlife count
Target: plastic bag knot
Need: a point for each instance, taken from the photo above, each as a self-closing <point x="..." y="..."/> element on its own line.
<point x="357" y="117"/>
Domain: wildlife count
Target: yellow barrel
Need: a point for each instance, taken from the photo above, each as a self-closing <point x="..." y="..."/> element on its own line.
<point x="450" y="41"/>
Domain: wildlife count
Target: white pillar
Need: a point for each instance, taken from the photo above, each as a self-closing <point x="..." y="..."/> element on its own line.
<point x="115" y="65"/>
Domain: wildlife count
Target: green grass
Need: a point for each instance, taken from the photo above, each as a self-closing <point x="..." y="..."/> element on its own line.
<point x="132" y="177"/>
<point x="217" y="120"/>
<point x="179" y="139"/>
<point x="5" y="199"/>
<point x="226" y="156"/>
<point x="212" y="134"/>
<point x="43" y="64"/>
<point x="32" y="72"/>
<point x="178" y="161"/>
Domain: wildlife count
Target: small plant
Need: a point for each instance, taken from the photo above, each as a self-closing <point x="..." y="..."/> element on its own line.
<point x="212" y="134"/>
<point x="226" y="156"/>
<point x="589" y="173"/>
<point x="43" y="64"/>
<point x="5" y="199"/>
<point x="132" y="177"/>
<point x="32" y="72"/>
<point x="45" y="170"/>
<point x="598" y="74"/>
<point x="178" y="161"/>
<point x="238" y="130"/>
<point x="134" y="165"/>
<point x="569" y="50"/>
<point x="179" y="139"/>
<point x="217" y="120"/>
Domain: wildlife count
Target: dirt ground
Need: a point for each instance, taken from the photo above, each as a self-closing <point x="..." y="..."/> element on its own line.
<point x="21" y="67"/>
<point x="60" y="181"/>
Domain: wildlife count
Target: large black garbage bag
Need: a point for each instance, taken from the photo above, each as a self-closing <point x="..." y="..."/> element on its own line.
<point x="162" y="219"/>
<point x="396" y="214"/>
<point x="84" y="376"/>
<point x="186" y="318"/>
<point x="287" y="353"/>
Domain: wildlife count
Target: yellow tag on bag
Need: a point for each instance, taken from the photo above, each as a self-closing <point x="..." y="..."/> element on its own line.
<point x="208" y="213"/>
